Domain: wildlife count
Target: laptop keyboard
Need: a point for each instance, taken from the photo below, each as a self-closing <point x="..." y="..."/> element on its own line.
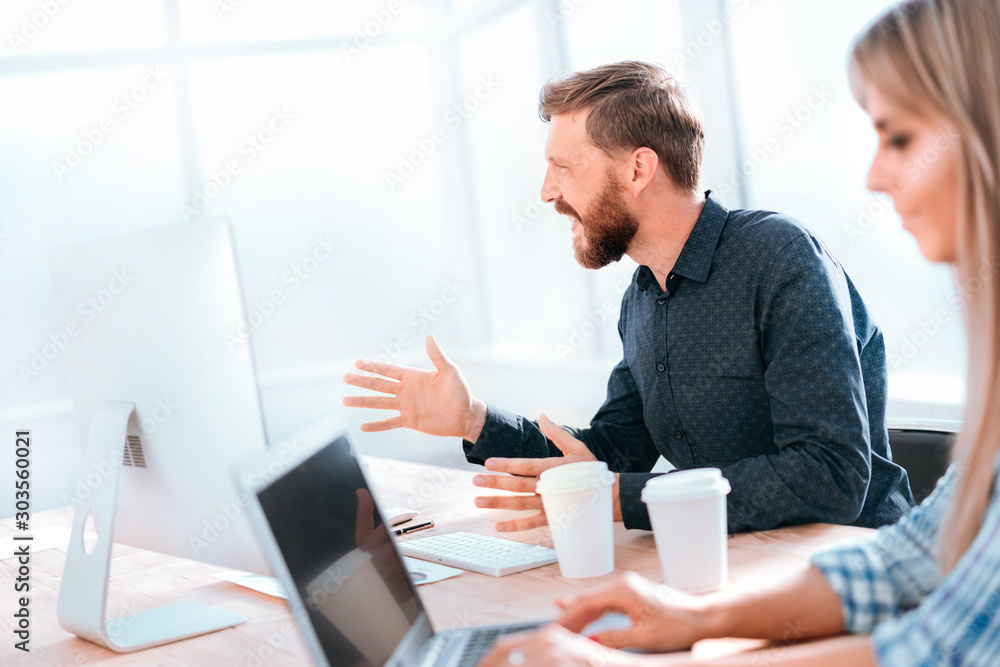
<point x="479" y="553"/>
<point x="482" y="641"/>
<point x="475" y="648"/>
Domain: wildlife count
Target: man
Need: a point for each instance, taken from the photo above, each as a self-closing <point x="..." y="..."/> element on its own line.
<point x="746" y="346"/>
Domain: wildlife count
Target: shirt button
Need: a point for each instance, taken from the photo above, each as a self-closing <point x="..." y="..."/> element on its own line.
<point x="661" y="301"/>
<point x="661" y="367"/>
<point x="680" y="435"/>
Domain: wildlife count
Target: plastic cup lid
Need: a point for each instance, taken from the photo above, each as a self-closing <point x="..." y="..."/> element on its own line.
<point x="575" y="477"/>
<point x="686" y="485"/>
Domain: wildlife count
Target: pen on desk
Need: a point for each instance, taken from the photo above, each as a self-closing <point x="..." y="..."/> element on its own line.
<point x="413" y="529"/>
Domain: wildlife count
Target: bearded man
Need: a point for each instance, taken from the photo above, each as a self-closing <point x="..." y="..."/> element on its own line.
<point x="745" y="345"/>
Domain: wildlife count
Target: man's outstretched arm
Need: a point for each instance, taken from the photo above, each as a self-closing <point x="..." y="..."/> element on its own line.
<point x="439" y="402"/>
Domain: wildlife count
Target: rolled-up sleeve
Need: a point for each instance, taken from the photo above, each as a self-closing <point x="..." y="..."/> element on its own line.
<point x="881" y="578"/>
<point x="958" y="623"/>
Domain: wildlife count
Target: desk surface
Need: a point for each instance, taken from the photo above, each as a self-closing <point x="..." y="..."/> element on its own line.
<point x="142" y="580"/>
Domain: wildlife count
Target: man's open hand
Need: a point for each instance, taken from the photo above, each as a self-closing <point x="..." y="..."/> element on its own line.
<point x="436" y="402"/>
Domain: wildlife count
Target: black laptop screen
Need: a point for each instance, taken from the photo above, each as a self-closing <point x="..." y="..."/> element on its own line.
<point x="341" y="557"/>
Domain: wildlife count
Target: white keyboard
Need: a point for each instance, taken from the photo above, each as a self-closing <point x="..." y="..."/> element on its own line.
<point x="478" y="553"/>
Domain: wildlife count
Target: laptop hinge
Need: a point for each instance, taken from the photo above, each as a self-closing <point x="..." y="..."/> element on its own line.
<point x="409" y="648"/>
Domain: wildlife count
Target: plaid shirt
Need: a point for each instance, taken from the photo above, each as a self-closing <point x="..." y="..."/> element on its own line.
<point x="891" y="586"/>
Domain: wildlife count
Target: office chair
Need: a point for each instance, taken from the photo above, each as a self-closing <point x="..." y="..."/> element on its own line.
<point x="923" y="449"/>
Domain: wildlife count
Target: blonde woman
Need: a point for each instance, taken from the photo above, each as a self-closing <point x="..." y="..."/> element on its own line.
<point x="925" y="591"/>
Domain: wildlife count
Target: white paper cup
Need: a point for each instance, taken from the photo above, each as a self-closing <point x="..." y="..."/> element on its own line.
<point x="353" y="595"/>
<point x="577" y="501"/>
<point x="688" y="512"/>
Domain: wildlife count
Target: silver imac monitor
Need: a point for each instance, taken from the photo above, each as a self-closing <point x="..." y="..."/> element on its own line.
<point x="155" y="320"/>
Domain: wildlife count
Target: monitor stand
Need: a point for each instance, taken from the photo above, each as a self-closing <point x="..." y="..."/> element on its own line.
<point x="84" y="589"/>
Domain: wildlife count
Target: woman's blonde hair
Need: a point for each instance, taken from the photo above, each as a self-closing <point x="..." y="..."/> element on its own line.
<point x="941" y="58"/>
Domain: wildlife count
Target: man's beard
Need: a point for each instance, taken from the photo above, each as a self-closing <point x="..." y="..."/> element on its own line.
<point x="607" y="229"/>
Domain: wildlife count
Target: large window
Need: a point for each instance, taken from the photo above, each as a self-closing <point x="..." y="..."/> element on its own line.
<point x="806" y="149"/>
<point x="405" y="133"/>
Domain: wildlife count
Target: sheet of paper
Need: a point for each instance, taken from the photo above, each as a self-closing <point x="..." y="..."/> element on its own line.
<point x="422" y="572"/>
<point x="256" y="582"/>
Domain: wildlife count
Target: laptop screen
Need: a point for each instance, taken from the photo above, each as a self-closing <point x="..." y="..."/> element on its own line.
<point x="341" y="557"/>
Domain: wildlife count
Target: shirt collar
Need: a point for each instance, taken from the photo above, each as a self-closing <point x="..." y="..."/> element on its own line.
<point x="695" y="260"/>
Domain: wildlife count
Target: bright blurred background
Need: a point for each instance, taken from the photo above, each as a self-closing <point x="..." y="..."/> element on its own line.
<point x="406" y="133"/>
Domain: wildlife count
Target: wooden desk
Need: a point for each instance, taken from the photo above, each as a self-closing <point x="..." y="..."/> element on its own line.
<point x="142" y="580"/>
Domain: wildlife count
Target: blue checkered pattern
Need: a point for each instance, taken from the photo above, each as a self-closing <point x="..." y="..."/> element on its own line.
<point x="891" y="586"/>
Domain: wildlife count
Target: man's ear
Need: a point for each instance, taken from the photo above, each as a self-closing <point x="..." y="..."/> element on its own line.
<point x="643" y="164"/>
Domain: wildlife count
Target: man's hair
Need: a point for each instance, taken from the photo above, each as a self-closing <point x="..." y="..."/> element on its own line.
<point x="633" y="105"/>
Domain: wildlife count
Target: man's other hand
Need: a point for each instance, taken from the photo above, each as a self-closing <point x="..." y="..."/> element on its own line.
<point x="524" y="477"/>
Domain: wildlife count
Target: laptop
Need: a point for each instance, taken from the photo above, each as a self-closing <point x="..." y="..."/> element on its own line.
<point x="332" y="549"/>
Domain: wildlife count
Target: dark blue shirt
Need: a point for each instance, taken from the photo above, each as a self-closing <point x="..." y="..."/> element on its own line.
<point x="760" y="359"/>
